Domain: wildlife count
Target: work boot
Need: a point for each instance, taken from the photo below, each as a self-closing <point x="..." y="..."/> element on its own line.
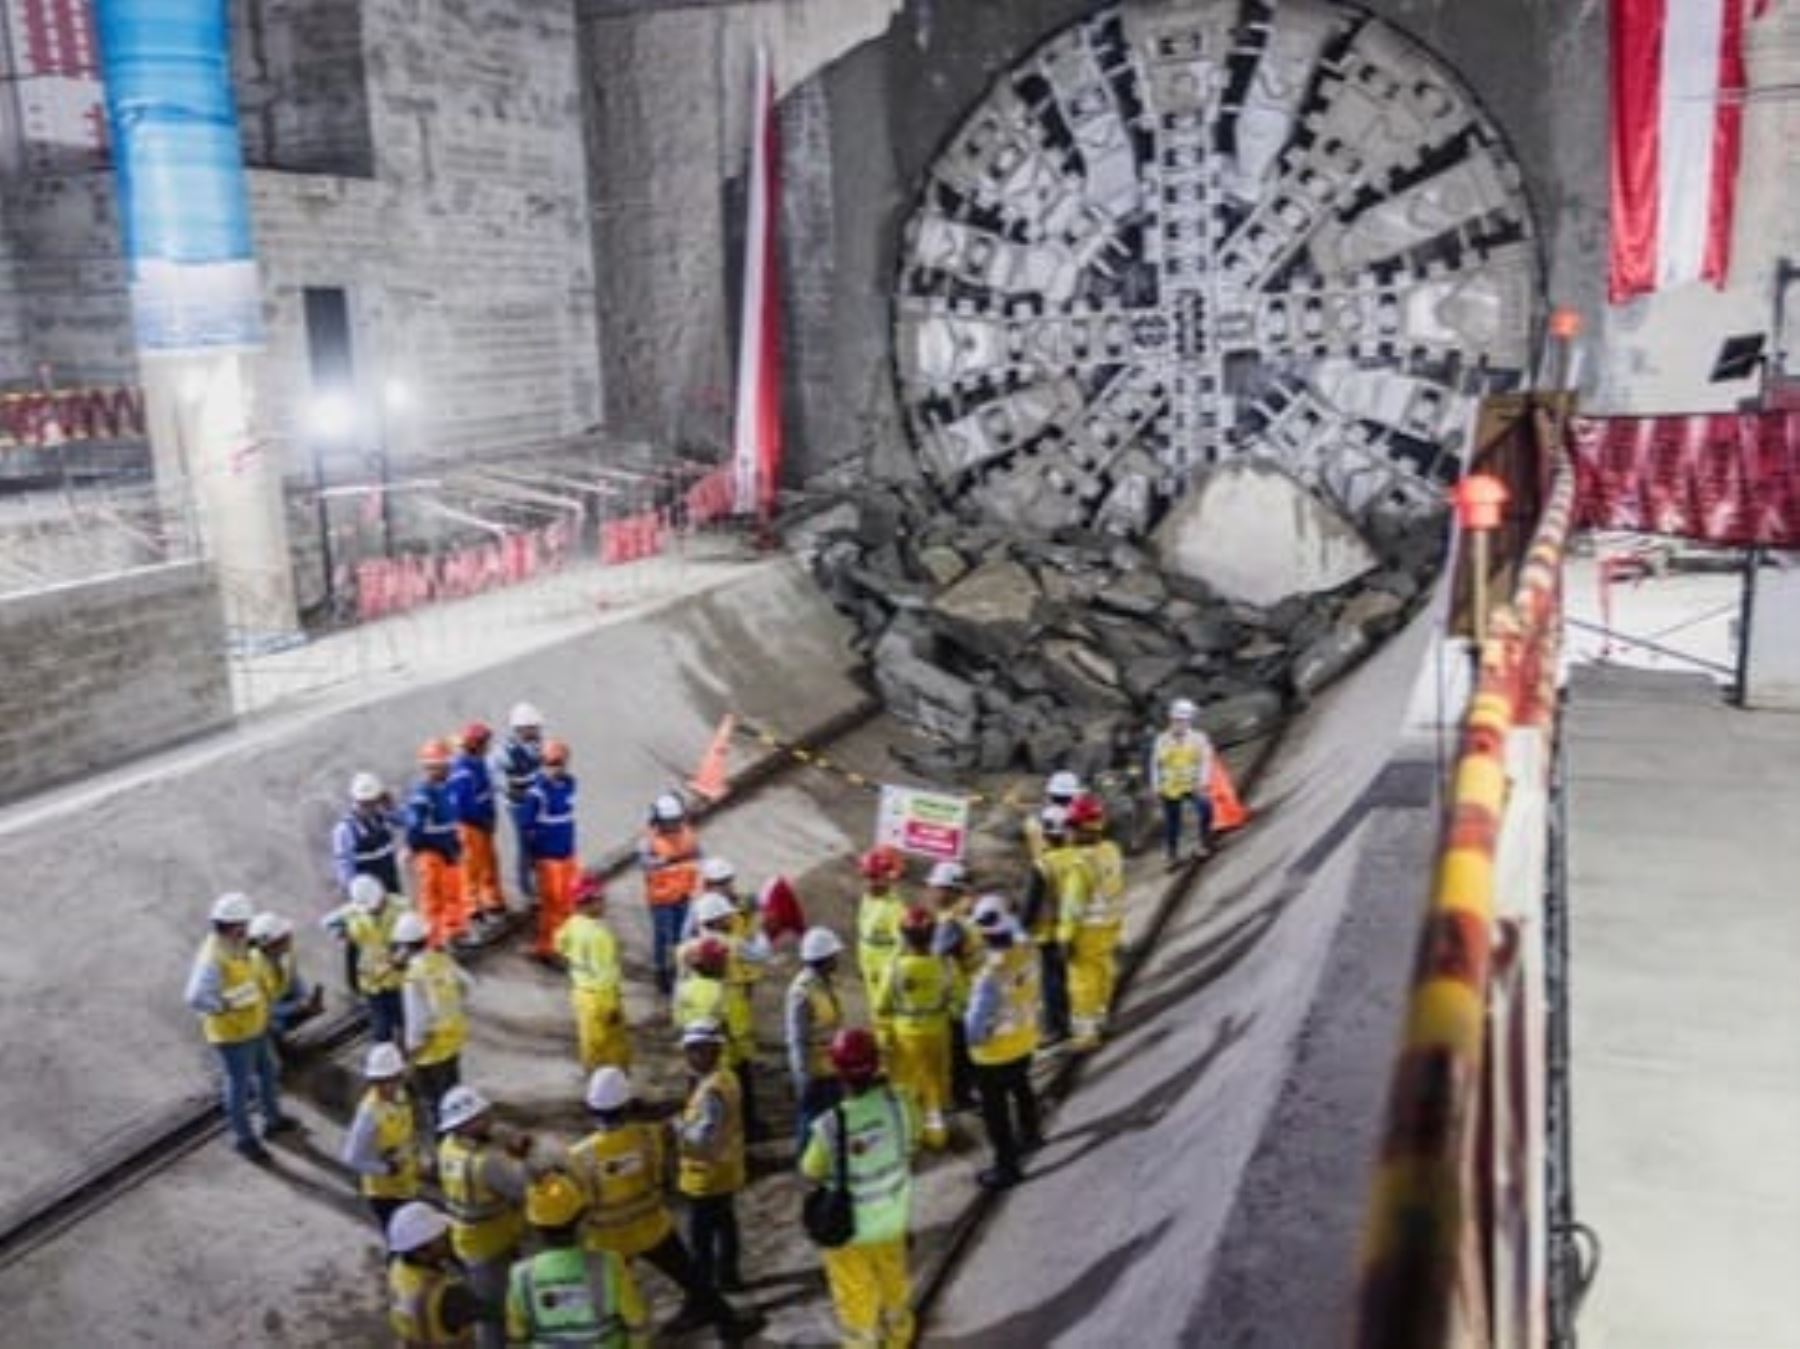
<point x="281" y="1124"/>
<point x="741" y="1326"/>
<point x="251" y="1150"/>
<point x="999" y="1178"/>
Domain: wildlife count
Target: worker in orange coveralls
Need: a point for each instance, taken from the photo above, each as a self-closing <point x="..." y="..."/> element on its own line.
<point x="472" y="790"/>
<point x="549" y="831"/>
<point x="436" y="849"/>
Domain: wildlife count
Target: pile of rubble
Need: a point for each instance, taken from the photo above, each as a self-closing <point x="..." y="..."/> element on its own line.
<point x="1019" y="652"/>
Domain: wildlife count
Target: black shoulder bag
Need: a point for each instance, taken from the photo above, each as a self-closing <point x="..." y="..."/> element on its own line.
<point x="829" y="1213"/>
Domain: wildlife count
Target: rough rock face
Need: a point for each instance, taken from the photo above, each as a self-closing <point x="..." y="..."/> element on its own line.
<point x="1036" y="652"/>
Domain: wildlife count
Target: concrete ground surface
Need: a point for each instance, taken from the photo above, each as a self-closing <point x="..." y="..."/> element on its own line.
<point x="108" y="928"/>
<point x="1685" y="937"/>
<point x="1206" y="1182"/>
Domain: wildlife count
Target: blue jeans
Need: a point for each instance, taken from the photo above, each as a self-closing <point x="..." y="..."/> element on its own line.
<point x="286" y="1011"/>
<point x="1202" y="805"/>
<point x="249" y="1066"/>
<point x="527" y="876"/>
<point x="387" y="1015"/>
<point x="812" y="1097"/>
<point x="666" y="922"/>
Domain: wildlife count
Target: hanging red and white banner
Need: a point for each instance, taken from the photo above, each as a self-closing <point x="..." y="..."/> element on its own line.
<point x="756" y="435"/>
<point x="1678" y="84"/>
<point x="1730" y="479"/>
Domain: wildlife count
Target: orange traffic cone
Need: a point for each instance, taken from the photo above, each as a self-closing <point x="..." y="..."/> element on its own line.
<point x="709" y="777"/>
<point x="1228" y="812"/>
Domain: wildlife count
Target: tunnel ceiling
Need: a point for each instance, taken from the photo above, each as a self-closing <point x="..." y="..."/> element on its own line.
<point x="1184" y="234"/>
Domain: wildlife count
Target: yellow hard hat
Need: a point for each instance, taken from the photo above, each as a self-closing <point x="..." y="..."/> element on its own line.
<point x="553" y="1201"/>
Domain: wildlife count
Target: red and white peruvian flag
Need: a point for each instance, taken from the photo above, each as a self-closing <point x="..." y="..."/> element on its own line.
<point x="1678" y="86"/>
<point x="756" y="437"/>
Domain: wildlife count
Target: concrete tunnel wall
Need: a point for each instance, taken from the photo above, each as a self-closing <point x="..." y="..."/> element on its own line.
<point x="113" y="884"/>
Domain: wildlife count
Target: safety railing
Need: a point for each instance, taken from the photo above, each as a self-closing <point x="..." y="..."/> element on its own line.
<point x="1455" y="1240"/>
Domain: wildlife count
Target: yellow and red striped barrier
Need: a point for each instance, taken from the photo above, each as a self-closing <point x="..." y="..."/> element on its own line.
<point x="1424" y="1259"/>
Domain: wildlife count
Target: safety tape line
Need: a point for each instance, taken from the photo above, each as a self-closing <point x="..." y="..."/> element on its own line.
<point x="1014" y="799"/>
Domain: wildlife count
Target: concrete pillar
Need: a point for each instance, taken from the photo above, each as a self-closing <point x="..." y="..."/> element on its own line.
<point x="195" y="295"/>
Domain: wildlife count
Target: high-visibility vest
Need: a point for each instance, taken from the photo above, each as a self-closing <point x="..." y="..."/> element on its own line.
<point x="1015" y="1031"/>
<point x="246" y="998"/>
<point x="436" y="976"/>
<point x="678" y="877"/>
<point x="824" y="1016"/>
<point x="416" y="1305"/>
<point x="621" y="1171"/>
<point x="917" y="993"/>
<point x="1067" y="882"/>
<point x="395" y="1130"/>
<point x="555" y="1290"/>
<point x="880" y="1134"/>
<point x="371" y="935"/>
<point x="877" y="935"/>
<point x="1106" y="896"/>
<point x="1178" y="764"/>
<point x="968" y="957"/>
<point x="720" y="1170"/>
<point x="591" y="952"/>
<point x="275" y="974"/>
<point x="484" y="1224"/>
<point x="700" y="998"/>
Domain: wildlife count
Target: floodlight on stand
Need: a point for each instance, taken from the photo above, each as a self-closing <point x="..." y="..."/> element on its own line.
<point x="1739" y="358"/>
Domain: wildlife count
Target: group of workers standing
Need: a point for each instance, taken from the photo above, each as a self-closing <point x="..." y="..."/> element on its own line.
<point x="961" y="992"/>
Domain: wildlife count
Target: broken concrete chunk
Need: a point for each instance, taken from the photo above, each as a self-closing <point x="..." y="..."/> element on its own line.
<point x="1138" y="593"/>
<point x="942" y="564"/>
<point x="1327" y="658"/>
<point x="996" y="592"/>
<point x="1372" y="611"/>
<point x="1244" y="717"/>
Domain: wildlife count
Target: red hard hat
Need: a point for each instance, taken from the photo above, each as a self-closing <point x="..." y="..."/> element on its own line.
<point x="434" y="753"/>
<point x="556" y="752"/>
<point x="881" y="863"/>
<point x="916" y="920"/>
<point x="476" y="734"/>
<point x="855" y="1055"/>
<point x="1086" y="812"/>
<point x="589" y="886"/>
<point x="709" y="956"/>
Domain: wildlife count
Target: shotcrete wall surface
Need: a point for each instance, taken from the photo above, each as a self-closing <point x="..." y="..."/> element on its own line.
<point x="1205" y="1183"/>
<point x="108" y="889"/>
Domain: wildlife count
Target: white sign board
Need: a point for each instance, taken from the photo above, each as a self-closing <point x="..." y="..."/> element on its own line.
<point x="933" y="825"/>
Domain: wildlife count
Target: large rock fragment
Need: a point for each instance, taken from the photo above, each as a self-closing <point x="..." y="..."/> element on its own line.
<point x="990" y="610"/>
<point x="1243" y="717"/>
<point x="1327" y="658"/>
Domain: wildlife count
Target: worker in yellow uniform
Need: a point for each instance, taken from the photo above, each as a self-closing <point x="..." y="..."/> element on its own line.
<point x="811" y="1018"/>
<point x="622" y="1169"/>
<point x="563" y="1294"/>
<point x="1003" y="1034"/>
<point x="866" y="1145"/>
<point x="590" y="950"/>
<point x="958" y="942"/>
<point x="1180" y="771"/>
<point x="916" y="998"/>
<point x="429" y="1302"/>
<point x="481" y="1171"/>
<point x="1092" y="923"/>
<point x="382" y="1146"/>
<point x="292" y="1000"/>
<point x="710" y="1143"/>
<point x="367" y="924"/>
<point x="878" y="915"/>
<point x="436" y="1021"/>
<point x="1058" y="880"/>
<point x="232" y="1001"/>
<point x="719" y="920"/>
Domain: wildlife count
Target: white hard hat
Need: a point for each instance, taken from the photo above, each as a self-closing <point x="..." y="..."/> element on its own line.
<point x="460" y="1105"/>
<point x="1063" y="786"/>
<point x="668" y="808"/>
<point x="365" y="787"/>
<point x="820" y="943"/>
<point x="1055" y="819"/>
<point x="712" y="907"/>
<point x="523" y="715"/>
<point x="233" y="908"/>
<point x="367" y="892"/>
<point x="408" y="929"/>
<point x="717" y="870"/>
<point x="608" y="1090"/>
<point x="270" y="927"/>
<point x="383" y="1061"/>
<point x="705" y="1031"/>
<point x="947" y="876"/>
<point x="415" y="1224"/>
<point x="1182" y="709"/>
<point x="992" y="914"/>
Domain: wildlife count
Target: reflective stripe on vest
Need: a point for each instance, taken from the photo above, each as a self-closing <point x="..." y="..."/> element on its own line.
<point x="822" y="1022"/>
<point x="1177" y="765"/>
<point x="246" y="999"/>
<point x="394" y="1132"/>
<point x="880" y="1169"/>
<point x="416" y="1305"/>
<point x="1106" y="902"/>
<point x="557" y="1292"/>
<point x="435" y="974"/>
<point x="370" y="934"/>
<point x="720" y="1170"/>
<point x="484" y="1224"/>
<point x="921" y="988"/>
<point x="1015" y="1032"/>
<point x="676" y="879"/>
<point x="622" y="1171"/>
<point x="372" y="838"/>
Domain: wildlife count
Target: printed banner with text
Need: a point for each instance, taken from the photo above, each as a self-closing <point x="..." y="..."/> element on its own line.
<point x="934" y="825"/>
